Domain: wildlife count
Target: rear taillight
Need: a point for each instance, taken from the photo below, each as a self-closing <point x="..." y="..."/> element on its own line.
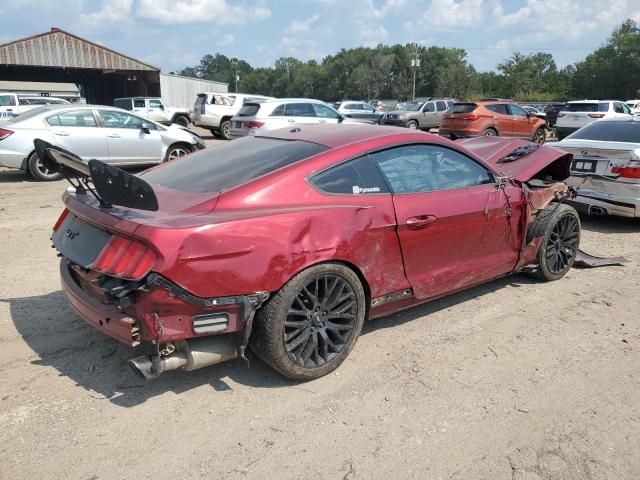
<point x="629" y="171"/>
<point x="471" y="117"/>
<point x="561" y="115"/>
<point x="4" y="133"/>
<point x="253" y="124"/>
<point x="596" y="115"/>
<point x="124" y="258"/>
<point x="63" y="215"/>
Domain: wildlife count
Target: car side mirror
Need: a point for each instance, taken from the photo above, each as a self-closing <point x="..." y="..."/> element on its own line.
<point x="146" y="127"/>
<point x="340" y="117"/>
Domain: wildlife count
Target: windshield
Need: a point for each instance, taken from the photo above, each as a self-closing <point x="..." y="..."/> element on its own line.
<point x="232" y="164"/>
<point x="413" y="106"/>
<point x="608" y="131"/>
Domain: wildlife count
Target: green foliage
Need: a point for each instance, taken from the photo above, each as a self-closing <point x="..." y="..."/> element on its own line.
<point x="385" y="72"/>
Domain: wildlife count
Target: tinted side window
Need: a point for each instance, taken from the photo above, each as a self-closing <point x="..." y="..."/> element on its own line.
<point x="603" y="107"/>
<point x="429" y="107"/>
<point x="427" y="168"/>
<point x="517" y="111"/>
<point x="54" y="121"/>
<point x="355" y="177"/>
<point x="138" y="104"/>
<point x="442" y="106"/>
<point x="500" y="108"/>
<point x="114" y="119"/>
<point x="299" y="110"/>
<point x="156" y="104"/>
<point x="83" y="118"/>
<point x="324" y="111"/>
<point x="278" y="111"/>
<point x="124" y="103"/>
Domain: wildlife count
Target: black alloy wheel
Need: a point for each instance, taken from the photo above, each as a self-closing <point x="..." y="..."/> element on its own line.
<point x="562" y="244"/>
<point x="320" y="321"/>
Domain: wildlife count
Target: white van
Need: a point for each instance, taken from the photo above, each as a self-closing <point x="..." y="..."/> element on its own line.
<point x="12" y="104"/>
<point x="214" y="111"/>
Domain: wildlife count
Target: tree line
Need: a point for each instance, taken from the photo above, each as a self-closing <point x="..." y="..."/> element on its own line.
<point x="385" y="72"/>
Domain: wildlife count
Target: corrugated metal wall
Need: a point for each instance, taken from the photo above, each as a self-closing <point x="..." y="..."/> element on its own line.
<point x="178" y="91"/>
<point x="60" y="49"/>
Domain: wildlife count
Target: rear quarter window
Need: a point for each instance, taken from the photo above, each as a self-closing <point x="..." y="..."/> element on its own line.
<point x="354" y="177"/>
<point x="249" y="110"/>
<point x="588" y="107"/>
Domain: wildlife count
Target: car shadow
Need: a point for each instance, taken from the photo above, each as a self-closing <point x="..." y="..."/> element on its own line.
<point x="97" y="363"/>
<point x="15" y="176"/>
<point x="609" y="224"/>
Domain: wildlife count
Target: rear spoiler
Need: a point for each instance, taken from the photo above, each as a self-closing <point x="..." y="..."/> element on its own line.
<point x="110" y="185"/>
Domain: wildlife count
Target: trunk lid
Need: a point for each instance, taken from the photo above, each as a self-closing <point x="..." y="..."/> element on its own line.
<point x="599" y="158"/>
<point x="520" y="159"/>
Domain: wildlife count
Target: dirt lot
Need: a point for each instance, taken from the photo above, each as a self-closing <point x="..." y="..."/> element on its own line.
<point x="512" y="380"/>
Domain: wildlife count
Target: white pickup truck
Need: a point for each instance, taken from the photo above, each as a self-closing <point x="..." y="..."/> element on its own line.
<point x="154" y="109"/>
<point x="12" y="104"/>
<point x="214" y="111"/>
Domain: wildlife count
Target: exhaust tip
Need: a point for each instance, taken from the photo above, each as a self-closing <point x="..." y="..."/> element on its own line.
<point x="597" y="211"/>
<point x="142" y="366"/>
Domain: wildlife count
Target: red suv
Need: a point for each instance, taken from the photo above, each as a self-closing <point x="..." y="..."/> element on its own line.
<point x="492" y="117"/>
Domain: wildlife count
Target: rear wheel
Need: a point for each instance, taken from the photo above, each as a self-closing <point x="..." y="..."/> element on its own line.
<point x="176" y="151"/>
<point x="490" y="132"/>
<point x="310" y="325"/>
<point x="540" y="136"/>
<point x="39" y="171"/>
<point x="225" y="129"/>
<point x="559" y="227"/>
<point x="413" y="125"/>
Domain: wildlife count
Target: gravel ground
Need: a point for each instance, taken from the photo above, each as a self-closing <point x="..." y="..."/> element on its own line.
<point x="515" y="379"/>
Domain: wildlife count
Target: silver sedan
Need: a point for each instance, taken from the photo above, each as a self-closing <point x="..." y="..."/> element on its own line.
<point x="109" y="134"/>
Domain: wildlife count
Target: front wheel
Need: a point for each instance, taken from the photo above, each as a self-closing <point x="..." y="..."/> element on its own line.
<point x="39" y="171"/>
<point x="490" y="132"/>
<point x="176" y="151"/>
<point x="559" y="227"/>
<point x="308" y="328"/>
<point x="413" y="125"/>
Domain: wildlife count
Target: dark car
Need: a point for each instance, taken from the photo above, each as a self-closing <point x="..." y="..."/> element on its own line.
<point x="551" y="111"/>
<point x="287" y="243"/>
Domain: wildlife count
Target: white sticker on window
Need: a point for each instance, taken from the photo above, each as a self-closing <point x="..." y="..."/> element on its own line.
<point x="358" y="190"/>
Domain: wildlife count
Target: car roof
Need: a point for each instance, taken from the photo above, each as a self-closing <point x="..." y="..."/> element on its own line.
<point x="287" y="100"/>
<point x="593" y="101"/>
<point x="137" y="98"/>
<point x="339" y="135"/>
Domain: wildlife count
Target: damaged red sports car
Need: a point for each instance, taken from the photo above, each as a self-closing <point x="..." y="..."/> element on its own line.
<point x="287" y="243"/>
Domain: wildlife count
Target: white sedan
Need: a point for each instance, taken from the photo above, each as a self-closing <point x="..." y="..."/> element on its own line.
<point x="109" y="134"/>
<point x="606" y="167"/>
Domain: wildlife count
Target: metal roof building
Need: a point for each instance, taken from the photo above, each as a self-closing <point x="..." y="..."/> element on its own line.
<point x="61" y="57"/>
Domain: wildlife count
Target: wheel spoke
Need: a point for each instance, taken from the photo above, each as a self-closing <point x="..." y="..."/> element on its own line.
<point x="299" y="340"/>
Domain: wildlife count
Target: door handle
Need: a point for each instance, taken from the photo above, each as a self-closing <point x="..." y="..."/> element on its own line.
<point x="62" y="134"/>
<point x="114" y="135"/>
<point x="323" y="121"/>
<point x="420" y="221"/>
<point x="291" y="120"/>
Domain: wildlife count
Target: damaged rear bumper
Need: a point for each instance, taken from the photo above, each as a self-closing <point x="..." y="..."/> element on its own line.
<point x="192" y="331"/>
<point x="601" y="195"/>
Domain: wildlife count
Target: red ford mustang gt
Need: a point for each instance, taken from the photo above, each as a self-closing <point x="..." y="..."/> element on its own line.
<point x="287" y="243"/>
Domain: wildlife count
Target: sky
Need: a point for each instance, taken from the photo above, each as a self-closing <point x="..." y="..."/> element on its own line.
<point x="172" y="34"/>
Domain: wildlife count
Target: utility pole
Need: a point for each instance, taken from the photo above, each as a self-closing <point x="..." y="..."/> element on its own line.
<point x="235" y="64"/>
<point x="415" y="63"/>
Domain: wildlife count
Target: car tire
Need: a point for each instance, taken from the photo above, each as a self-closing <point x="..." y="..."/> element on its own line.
<point x="295" y="332"/>
<point x="225" y="129"/>
<point x="490" y="132"/>
<point x="176" y="151"/>
<point x="39" y="172"/>
<point x="182" y="121"/>
<point x="539" y="136"/>
<point x="412" y="124"/>
<point x="560" y="136"/>
<point x="559" y="226"/>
